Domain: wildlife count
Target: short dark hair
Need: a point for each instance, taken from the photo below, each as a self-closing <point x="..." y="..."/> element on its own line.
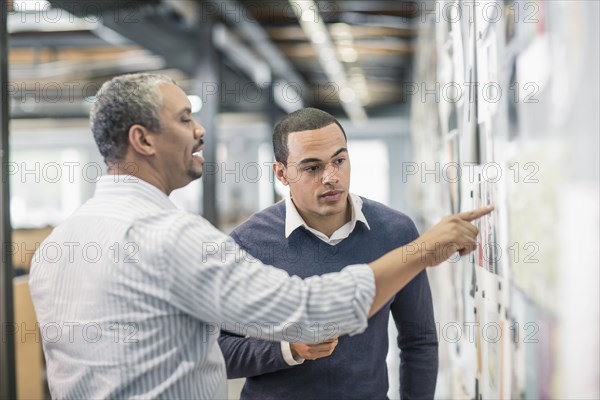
<point x="122" y="102"/>
<point x="305" y="119"/>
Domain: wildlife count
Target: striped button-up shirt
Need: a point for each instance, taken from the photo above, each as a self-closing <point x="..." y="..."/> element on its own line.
<point x="131" y="294"/>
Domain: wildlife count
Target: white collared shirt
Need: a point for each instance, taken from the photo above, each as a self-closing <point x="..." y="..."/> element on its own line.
<point x="293" y="221"/>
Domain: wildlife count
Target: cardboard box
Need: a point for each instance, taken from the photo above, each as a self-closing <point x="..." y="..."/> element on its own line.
<point x="28" y="345"/>
<point x="24" y="243"/>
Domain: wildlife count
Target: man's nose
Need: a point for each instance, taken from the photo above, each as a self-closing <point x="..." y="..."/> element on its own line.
<point x="199" y="131"/>
<point x="330" y="175"/>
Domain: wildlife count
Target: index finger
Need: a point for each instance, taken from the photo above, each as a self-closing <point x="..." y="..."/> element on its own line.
<point x="474" y="214"/>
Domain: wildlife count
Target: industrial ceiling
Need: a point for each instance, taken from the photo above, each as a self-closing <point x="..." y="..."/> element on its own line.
<point x="351" y="58"/>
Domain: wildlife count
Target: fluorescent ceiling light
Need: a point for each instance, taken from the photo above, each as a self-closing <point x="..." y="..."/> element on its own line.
<point x="347" y="95"/>
<point x="30" y="5"/>
<point x="318" y="37"/>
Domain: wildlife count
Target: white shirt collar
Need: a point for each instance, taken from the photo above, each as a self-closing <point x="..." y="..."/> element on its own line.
<point x="293" y="221"/>
<point x="127" y="185"/>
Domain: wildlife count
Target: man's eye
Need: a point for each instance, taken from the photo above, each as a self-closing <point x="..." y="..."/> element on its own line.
<point x="186" y="121"/>
<point x="311" y="169"/>
<point x="340" y="160"/>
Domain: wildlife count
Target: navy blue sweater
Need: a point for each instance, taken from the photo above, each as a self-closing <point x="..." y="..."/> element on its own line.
<point x="357" y="368"/>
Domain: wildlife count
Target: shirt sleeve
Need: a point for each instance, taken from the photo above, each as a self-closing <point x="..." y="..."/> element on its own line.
<point x="288" y="357"/>
<point x="212" y="279"/>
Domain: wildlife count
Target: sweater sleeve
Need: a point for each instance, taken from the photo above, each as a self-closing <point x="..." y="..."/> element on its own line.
<point x="246" y="357"/>
<point x="412" y="310"/>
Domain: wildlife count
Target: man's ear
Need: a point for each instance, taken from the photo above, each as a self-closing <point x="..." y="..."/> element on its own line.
<point x="280" y="172"/>
<point x="141" y="140"/>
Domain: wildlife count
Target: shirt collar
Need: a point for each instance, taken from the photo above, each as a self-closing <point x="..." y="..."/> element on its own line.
<point x="128" y="185"/>
<point x="293" y="220"/>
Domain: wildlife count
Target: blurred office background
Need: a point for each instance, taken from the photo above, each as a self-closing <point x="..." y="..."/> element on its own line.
<point x="447" y="105"/>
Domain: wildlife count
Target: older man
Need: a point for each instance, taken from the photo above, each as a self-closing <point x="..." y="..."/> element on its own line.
<point x="128" y="297"/>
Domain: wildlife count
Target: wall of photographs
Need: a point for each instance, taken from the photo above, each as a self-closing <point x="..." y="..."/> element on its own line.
<point x="505" y="111"/>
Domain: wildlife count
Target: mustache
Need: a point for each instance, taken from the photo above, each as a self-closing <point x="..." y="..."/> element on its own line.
<point x="200" y="143"/>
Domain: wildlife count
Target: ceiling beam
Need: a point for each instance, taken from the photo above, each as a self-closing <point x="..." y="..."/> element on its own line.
<point x="234" y="13"/>
<point x="310" y="20"/>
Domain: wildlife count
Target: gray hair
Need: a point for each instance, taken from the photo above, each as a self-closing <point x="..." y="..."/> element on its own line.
<point x="122" y="102"/>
